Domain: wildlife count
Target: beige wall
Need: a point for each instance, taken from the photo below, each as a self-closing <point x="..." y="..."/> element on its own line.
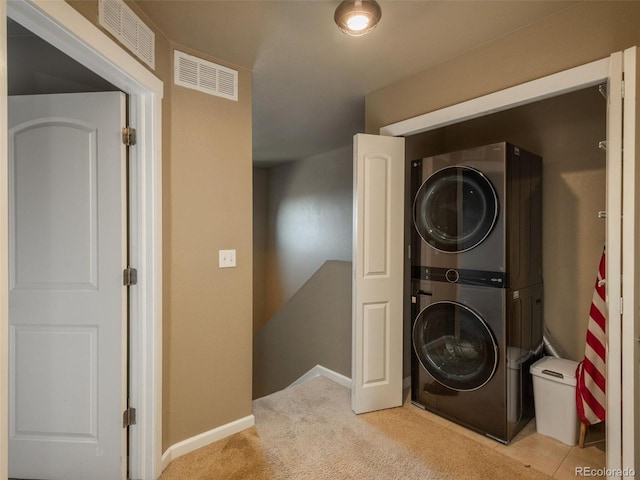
<point x="207" y="206"/>
<point x="208" y="330"/>
<point x="586" y="32"/>
<point x="573" y="169"/>
<point x="313" y="328"/>
<point x="309" y="217"/>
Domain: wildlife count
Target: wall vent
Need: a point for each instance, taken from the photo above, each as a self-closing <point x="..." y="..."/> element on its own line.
<point x="120" y="21"/>
<point x="198" y="74"/>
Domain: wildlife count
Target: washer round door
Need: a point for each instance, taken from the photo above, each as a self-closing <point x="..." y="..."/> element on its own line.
<point x="455" y="345"/>
<point x="455" y="209"/>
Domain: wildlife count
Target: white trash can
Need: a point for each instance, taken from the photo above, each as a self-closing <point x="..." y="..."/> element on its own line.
<point x="554" y="394"/>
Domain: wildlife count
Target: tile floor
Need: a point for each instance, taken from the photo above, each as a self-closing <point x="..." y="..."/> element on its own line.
<point x="543" y="453"/>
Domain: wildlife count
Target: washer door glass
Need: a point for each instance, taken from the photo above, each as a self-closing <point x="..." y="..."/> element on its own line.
<point x="455" y="209"/>
<point x="455" y="346"/>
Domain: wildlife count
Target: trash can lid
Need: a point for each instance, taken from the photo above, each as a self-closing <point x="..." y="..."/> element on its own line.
<point x="556" y="369"/>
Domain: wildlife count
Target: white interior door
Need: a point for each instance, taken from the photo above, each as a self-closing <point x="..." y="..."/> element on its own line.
<point x="378" y="242"/>
<point x="631" y="266"/>
<point x="67" y="302"/>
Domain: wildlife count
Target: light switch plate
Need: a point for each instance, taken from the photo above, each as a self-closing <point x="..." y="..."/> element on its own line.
<point x="226" y="258"/>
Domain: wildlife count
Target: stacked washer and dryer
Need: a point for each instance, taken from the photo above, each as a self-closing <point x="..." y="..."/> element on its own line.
<point x="476" y="287"/>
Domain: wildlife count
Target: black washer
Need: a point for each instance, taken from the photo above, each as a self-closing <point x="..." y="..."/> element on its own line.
<point x="455" y="346"/>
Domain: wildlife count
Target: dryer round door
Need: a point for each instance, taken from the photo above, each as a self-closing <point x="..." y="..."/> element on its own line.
<point x="455" y="345"/>
<point x="455" y="209"/>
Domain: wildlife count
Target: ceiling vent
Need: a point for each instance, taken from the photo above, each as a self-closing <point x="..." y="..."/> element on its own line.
<point x="198" y="74"/>
<point x="120" y="21"/>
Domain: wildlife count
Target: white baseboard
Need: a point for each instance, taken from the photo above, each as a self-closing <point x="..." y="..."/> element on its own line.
<point x="319" y="370"/>
<point x="203" y="439"/>
<point x="336" y="377"/>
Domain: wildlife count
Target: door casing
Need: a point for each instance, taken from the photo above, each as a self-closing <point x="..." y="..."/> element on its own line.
<point x="63" y="27"/>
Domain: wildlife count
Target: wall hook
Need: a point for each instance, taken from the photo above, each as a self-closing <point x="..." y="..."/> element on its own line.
<point x="602" y="88"/>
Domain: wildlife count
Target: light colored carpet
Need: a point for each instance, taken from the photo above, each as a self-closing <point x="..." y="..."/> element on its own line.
<point x="309" y="432"/>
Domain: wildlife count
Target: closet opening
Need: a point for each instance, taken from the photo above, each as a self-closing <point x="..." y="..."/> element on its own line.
<point x="567" y="131"/>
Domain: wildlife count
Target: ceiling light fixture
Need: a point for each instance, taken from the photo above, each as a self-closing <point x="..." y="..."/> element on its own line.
<point x="357" y="17"/>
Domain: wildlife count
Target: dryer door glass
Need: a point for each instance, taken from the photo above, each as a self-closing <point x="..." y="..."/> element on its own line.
<point x="455" y="209"/>
<point x="455" y="346"/>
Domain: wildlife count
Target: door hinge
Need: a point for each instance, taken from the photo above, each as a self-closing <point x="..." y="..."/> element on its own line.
<point x="129" y="136"/>
<point x="621" y="306"/>
<point x="129" y="417"/>
<point x="129" y="277"/>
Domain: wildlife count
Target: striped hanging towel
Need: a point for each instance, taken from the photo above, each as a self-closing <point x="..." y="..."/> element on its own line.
<point x="590" y="374"/>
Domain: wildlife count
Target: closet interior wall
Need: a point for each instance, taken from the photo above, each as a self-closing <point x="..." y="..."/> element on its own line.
<point x="565" y="131"/>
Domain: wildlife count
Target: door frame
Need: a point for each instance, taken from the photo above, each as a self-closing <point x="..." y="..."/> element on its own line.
<point x="567" y="81"/>
<point x="570" y="80"/>
<point x="63" y="27"/>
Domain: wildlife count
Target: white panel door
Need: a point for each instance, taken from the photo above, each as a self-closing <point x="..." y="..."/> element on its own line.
<point x="67" y="303"/>
<point x="378" y="241"/>
<point x="631" y="267"/>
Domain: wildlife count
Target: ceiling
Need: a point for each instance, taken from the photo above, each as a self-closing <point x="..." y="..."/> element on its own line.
<point x="310" y="79"/>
